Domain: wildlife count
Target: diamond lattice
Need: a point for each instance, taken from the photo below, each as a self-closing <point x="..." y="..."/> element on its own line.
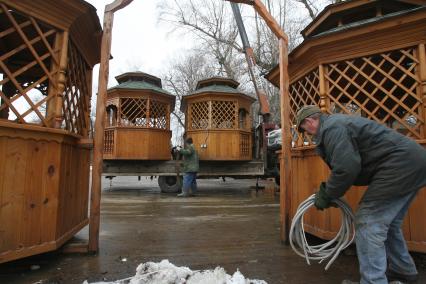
<point x="199" y="115"/>
<point x="158" y="115"/>
<point x="76" y="99"/>
<point x="382" y="87"/>
<point x="134" y="112"/>
<point x="224" y="114"/>
<point x="28" y="66"/>
<point x="304" y="91"/>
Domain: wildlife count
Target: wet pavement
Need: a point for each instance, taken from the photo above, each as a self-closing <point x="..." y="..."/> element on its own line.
<point x="227" y="224"/>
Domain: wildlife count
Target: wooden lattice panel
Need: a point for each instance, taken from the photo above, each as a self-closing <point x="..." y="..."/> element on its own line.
<point x="109" y="141"/>
<point x="28" y="66"/>
<point x="158" y="115"/>
<point x="199" y="115"/>
<point x="134" y="112"/>
<point x="224" y="114"/>
<point x="304" y="91"/>
<point x="76" y="99"/>
<point x="245" y="145"/>
<point x="382" y="87"/>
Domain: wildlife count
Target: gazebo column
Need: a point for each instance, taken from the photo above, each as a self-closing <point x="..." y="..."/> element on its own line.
<point x="54" y="106"/>
<point x="323" y="89"/>
<point x="422" y="88"/>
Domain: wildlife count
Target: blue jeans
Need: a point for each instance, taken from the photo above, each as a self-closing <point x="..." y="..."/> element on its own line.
<point x="189" y="183"/>
<point x="379" y="240"/>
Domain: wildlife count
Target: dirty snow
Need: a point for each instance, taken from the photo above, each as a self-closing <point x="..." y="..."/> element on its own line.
<point x="165" y="272"/>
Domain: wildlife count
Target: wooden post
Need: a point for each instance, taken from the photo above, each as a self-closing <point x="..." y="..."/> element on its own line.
<point x="324" y="99"/>
<point x="55" y="115"/>
<point x="95" y="197"/>
<point x="422" y="75"/>
<point x="286" y="187"/>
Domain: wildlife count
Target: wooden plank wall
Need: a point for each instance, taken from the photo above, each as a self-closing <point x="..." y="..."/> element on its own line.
<point x="40" y="200"/>
<point x="309" y="171"/>
<point x="222" y="145"/>
<point x="141" y="144"/>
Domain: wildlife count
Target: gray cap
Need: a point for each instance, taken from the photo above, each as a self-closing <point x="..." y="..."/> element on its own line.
<point x="304" y="112"/>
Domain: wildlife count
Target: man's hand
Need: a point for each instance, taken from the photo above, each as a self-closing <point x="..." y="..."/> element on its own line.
<point x="322" y="200"/>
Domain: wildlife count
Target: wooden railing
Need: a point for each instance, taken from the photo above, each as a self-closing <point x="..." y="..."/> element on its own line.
<point x="109" y="141"/>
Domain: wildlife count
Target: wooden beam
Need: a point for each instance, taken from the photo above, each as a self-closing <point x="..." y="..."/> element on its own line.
<point x="286" y="187"/>
<point x="117" y="5"/>
<point x="267" y="17"/>
<point x="95" y="197"/>
<point x="286" y="184"/>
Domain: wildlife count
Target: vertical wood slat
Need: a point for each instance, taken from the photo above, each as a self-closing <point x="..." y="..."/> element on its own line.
<point x="12" y="190"/>
<point x="422" y="87"/>
<point x="32" y="207"/>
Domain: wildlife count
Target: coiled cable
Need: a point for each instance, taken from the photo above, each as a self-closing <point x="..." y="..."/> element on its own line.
<point x="332" y="248"/>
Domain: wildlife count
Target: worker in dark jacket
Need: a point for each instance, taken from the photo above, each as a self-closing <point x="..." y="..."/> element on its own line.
<point x="190" y="168"/>
<point x="360" y="151"/>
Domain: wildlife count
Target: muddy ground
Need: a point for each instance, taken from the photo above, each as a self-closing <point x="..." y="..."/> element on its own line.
<point x="227" y="224"/>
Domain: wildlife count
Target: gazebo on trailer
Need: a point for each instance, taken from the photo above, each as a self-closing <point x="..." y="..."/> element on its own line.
<point x="138" y="119"/>
<point x="47" y="51"/>
<point x="363" y="58"/>
<point x="219" y="120"/>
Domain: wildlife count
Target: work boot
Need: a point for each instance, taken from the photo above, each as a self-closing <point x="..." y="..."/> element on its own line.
<point x="183" y="195"/>
<point x="404" y="278"/>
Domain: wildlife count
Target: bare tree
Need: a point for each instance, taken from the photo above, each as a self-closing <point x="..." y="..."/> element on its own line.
<point x="213" y="25"/>
<point x="182" y="77"/>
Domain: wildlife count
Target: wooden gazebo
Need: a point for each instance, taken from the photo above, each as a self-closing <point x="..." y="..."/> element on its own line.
<point x="138" y="119"/>
<point x="47" y="51"/>
<point x="363" y="58"/>
<point x="218" y="118"/>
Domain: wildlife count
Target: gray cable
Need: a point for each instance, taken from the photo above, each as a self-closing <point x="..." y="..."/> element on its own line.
<point x="330" y="249"/>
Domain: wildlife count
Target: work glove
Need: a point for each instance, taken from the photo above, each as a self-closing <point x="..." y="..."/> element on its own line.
<point x="322" y="200"/>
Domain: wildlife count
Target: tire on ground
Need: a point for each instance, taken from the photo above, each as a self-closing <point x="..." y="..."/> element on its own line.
<point x="169" y="184"/>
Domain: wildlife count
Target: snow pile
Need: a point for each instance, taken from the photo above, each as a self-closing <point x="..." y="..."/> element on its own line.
<point x="165" y="272"/>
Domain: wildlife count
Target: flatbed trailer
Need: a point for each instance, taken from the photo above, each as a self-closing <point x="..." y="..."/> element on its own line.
<point x="169" y="172"/>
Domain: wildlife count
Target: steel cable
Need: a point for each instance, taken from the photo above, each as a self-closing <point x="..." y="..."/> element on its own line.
<point x="330" y="249"/>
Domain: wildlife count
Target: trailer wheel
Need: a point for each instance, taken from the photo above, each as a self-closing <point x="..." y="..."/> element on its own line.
<point x="169" y="184"/>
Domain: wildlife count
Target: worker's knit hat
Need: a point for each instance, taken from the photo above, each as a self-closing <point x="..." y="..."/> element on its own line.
<point x="304" y="112"/>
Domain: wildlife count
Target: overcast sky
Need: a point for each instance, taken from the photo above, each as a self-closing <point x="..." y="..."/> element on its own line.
<point x="139" y="40"/>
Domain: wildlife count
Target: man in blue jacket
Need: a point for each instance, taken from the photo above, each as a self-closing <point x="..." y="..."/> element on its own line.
<point x="360" y="151"/>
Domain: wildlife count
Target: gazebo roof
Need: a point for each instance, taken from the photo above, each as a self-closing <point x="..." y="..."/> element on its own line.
<point x="335" y="17"/>
<point x="140" y="81"/>
<point x="217" y="84"/>
<point x="76" y="16"/>
<point x="352" y="23"/>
